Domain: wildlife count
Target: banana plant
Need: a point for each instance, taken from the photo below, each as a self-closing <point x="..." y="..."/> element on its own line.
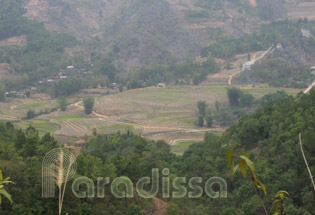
<point x="3" y="192"/>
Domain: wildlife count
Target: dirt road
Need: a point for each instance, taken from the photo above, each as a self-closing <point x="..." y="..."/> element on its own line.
<point x="225" y="77"/>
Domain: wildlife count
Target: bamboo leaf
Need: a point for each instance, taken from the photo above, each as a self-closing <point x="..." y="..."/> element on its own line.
<point x="234" y="170"/>
<point x="250" y="165"/>
<point x="229" y="157"/>
<point x="262" y="186"/>
<point x="6" y="194"/>
<point x="243" y="167"/>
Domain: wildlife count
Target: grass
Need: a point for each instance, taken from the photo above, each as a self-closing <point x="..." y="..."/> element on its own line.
<point x="166" y="107"/>
<point x="118" y="127"/>
<point x="189" y="121"/>
<point x="43" y="126"/>
<point x="161" y="119"/>
<point x="30" y="106"/>
<point x="181" y="146"/>
<point x="72" y="117"/>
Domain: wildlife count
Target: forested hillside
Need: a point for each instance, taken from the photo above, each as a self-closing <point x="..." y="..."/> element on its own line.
<point x="270" y="135"/>
<point x="43" y="54"/>
<point x="154" y="31"/>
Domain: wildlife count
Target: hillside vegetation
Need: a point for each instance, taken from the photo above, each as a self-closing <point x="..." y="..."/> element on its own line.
<point x="43" y="54"/>
<point x="270" y="135"/>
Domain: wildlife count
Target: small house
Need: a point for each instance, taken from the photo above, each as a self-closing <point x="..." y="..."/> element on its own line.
<point x="161" y="85"/>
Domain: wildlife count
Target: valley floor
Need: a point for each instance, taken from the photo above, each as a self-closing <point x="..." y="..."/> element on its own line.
<point x="156" y="113"/>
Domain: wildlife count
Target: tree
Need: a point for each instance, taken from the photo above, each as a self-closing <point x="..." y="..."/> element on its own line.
<point x="88" y="103"/>
<point x="202" y="106"/>
<point x="94" y="131"/>
<point x="200" y="121"/>
<point x="2" y="92"/>
<point x="209" y="120"/>
<point x="247" y="99"/>
<point x="228" y="65"/>
<point x="30" y="114"/>
<point x="217" y="106"/>
<point x="62" y="103"/>
<point x="173" y="209"/>
<point x="234" y="95"/>
<point x="134" y="210"/>
<point x="28" y="94"/>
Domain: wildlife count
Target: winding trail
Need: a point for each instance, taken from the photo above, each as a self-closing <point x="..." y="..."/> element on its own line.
<point x="252" y="62"/>
<point x="309" y="87"/>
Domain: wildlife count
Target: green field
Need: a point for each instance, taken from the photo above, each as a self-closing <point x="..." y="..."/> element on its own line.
<point x="181" y="146"/>
<point x="66" y="117"/>
<point x="43" y="126"/>
<point x="30" y="106"/>
<point x="119" y="127"/>
<point x="150" y="111"/>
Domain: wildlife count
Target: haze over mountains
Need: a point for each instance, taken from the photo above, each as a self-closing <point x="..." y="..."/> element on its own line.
<point x="147" y="31"/>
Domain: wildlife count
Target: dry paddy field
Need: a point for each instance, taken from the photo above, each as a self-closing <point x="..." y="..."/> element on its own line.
<point x="156" y="113"/>
<point x="302" y="10"/>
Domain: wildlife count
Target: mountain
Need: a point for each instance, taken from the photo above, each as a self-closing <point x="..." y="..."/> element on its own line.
<point x="147" y="31"/>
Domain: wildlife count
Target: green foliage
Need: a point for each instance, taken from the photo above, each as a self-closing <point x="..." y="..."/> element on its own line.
<point x="43" y="55"/>
<point x="278" y="208"/>
<point x="105" y="67"/>
<point x="134" y="210"/>
<point x="270" y="135"/>
<point x="209" y="120"/>
<point x="234" y="95"/>
<point x="173" y="209"/>
<point x="152" y="75"/>
<point x="247" y="100"/>
<point x="237" y="97"/>
<point x="2" y="92"/>
<point x="202" y="107"/>
<point x="30" y="114"/>
<point x="62" y="103"/>
<point x="200" y="121"/>
<point x="67" y="87"/>
<point x="3" y="192"/>
<point x="225" y="117"/>
<point x="272" y="98"/>
<point x="243" y="163"/>
<point x="217" y="106"/>
<point x="269" y="34"/>
<point x="88" y="103"/>
<point x="28" y="94"/>
<point x="281" y="73"/>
